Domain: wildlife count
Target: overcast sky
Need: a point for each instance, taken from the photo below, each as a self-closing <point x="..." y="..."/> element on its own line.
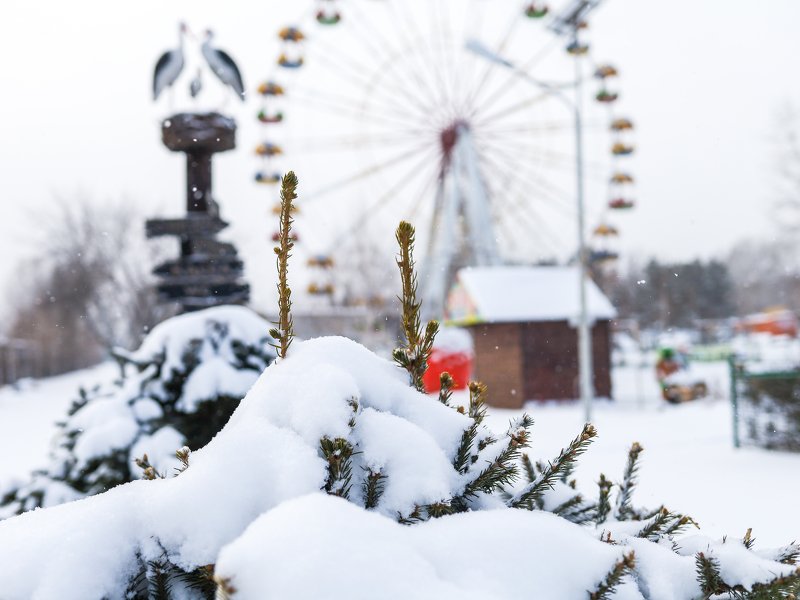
<point x="703" y="81"/>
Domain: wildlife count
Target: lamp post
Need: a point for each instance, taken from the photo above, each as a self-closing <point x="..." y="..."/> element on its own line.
<point x="585" y="370"/>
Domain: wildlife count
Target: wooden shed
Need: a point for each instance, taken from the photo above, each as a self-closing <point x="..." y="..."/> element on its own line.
<point x="523" y="325"/>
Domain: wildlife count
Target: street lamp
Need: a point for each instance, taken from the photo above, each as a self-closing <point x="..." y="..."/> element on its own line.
<point x="573" y="16"/>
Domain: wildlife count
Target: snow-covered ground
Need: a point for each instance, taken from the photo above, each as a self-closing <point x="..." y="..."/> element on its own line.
<point x="689" y="462"/>
<point x="29" y="412"/>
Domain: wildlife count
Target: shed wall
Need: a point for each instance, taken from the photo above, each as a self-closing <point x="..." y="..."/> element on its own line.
<point x="499" y="363"/>
<point x="537" y="361"/>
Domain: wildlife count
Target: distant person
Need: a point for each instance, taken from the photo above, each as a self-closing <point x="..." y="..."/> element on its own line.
<point x="668" y="363"/>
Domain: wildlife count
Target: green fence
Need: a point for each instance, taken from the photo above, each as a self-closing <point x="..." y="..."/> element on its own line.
<point x="766" y="408"/>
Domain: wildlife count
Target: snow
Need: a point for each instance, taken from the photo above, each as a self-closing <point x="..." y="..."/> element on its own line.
<point x="506" y="294"/>
<point x="28" y="418"/>
<point x="160" y="449"/>
<point x="170" y="336"/>
<point x="432" y="560"/>
<point x="763" y="352"/>
<point x="106" y="424"/>
<point x="215" y="377"/>
<point x="250" y="499"/>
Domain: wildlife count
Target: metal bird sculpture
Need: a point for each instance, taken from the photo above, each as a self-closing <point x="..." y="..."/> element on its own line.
<point x="169" y="66"/>
<point x="196" y="84"/>
<point x="222" y="65"/>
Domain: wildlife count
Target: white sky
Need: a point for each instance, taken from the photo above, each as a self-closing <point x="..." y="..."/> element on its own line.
<point x="702" y="80"/>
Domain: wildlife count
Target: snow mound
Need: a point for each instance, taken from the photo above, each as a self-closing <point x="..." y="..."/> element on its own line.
<point x="433" y="560"/>
<point x="329" y="420"/>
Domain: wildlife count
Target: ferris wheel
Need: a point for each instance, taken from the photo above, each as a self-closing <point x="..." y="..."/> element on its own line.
<point x="387" y="114"/>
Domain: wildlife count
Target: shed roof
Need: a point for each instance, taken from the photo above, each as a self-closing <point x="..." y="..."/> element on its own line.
<point x="519" y="293"/>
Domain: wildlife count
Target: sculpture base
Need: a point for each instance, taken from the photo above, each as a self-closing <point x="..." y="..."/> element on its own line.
<point x="205" y="133"/>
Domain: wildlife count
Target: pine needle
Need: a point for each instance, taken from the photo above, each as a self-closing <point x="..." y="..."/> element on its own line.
<point x="530" y="496"/>
<point x="284" y="333"/>
<point x="623" y="509"/>
<point x="414" y="353"/>
<point x="622" y="567"/>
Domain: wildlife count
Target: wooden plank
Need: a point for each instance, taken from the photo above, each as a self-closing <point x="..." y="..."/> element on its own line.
<point x="200" y="265"/>
<point x="190" y="227"/>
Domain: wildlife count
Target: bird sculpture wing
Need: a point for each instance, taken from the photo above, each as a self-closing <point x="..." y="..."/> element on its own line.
<point x="167" y="70"/>
<point x="228" y="72"/>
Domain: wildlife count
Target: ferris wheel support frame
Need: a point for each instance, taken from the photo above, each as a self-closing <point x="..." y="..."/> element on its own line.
<point x="464" y="198"/>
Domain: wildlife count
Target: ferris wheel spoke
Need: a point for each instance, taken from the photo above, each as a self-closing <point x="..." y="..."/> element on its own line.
<point x="513" y="109"/>
<point x="531" y="223"/>
<point x="364" y="173"/>
<point x="393" y="88"/>
<point x="516" y="193"/>
<point x="407" y="30"/>
<point x="489" y="68"/>
<point x="351" y="142"/>
<point x="348" y="110"/>
<point x="543" y="162"/>
<point x="512" y="79"/>
<point x="511" y="129"/>
<point x="513" y="169"/>
<point x="350" y="104"/>
<point x="392" y="55"/>
<point x="422" y="195"/>
<point x="382" y="201"/>
<point x="425" y="112"/>
<point x="359" y="78"/>
<point x="444" y="41"/>
<point x="560" y="160"/>
<point x="539" y="224"/>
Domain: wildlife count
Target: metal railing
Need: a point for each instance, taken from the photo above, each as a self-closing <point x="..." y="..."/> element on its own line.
<point x="765" y="407"/>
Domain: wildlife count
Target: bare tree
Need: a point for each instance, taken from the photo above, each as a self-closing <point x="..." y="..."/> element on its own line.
<point x="87" y="286"/>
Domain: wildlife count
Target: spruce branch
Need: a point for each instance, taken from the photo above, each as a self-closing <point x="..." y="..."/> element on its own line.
<point x="200" y="580"/>
<point x="568" y="507"/>
<point x="622" y="567"/>
<point x="149" y="471"/>
<point x="664" y="523"/>
<point x="465" y="455"/>
<point x="225" y="589"/>
<point x="413" y="355"/>
<point x="502" y="471"/>
<point x="405" y="236"/>
<point x="786" y="587"/>
<point x="709" y="576"/>
<point x="439" y="509"/>
<point x="623" y="508"/>
<point x="603" y="500"/>
<point x="748" y="540"/>
<point x="531" y="495"/>
<point x="528" y="468"/>
<point x="183" y="456"/>
<point x="338" y="453"/>
<point x="415" y="516"/>
<point x="373" y="487"/>
<point x="159" y="582"/>
<point x="446" y="384"/>
<point x="787" y="555"/>
<point x="284" y="332"/>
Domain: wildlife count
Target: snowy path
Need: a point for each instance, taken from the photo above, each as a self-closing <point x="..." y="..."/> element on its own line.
<point x="688" y="463"/>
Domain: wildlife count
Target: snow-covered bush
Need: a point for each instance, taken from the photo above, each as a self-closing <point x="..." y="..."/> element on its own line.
<point x="333" y="419"/>
<point x="336" y="477"/>
<point x="178" y="389"/>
